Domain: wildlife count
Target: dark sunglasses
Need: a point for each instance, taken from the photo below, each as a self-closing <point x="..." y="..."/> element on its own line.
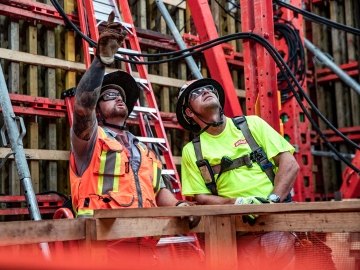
<point x="110" y="96"/>
<point x="194" y="94"/>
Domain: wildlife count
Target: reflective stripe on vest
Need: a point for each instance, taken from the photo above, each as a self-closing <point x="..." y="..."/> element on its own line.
<point x="157" y="175"/>
<point x="157" y="166"/>
<point x="109" y="176"/>
<point x="85" y="212"/>
<point x="109" y="162"/>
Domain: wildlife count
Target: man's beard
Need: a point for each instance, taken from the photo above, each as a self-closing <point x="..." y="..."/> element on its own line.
<point x="115" y="112"/>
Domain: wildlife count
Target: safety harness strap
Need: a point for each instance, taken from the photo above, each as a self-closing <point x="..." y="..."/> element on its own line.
<point x="236" y="163"/>
<point x="257" y="155"/>
<point x="204" y="166"/>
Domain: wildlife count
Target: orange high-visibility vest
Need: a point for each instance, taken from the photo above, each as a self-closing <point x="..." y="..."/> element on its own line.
<point x="109" y="181"/>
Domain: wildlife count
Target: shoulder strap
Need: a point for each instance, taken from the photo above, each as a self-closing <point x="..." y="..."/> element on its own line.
<point x="257" y="155"/>
<point x="204" y="166"/>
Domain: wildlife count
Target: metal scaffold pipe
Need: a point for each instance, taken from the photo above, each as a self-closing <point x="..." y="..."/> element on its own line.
<point x="331" y="65"/>
<point x="15" y="138"/>
<point x="175" y="32"/>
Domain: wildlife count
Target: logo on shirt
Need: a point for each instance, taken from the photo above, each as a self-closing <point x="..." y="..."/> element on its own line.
<point x="239" y="142"/>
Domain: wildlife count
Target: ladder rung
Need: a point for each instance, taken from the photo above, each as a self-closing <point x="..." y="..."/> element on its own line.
<point x="149" y="111"/>
<point x="167" y="172"/>
<point x="142" y="81"/>
<point x="151" y="140"/>
<point x="144" y="109"/>
<point x="102" y="9"/>
<point x="120" y="50"/>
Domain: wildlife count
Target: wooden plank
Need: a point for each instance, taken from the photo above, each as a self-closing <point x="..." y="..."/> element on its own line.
<point x="342" y="94"/>
<point x="220" y="229"/>
<point x="39" y="154"/>
<point x="210" y="210"/>
<point x="141" y="12"/>
<point x="178" y="70"/>
<point x="324" y="103"/>
<point x="304" y="222"/>
<point x="62" y="185"/>
<point x="32" y="90"/>
<point x="50" y="91"/>
<point x="51" y="62"/>
<point x="115" y="228"/>
<point x="56" y="155"/>
<point x="351" y="52"/>
<point x="13" y="85"/>
<point x="220" y="242"/>
<point x="164" y="71"/>
<point x="211" y="241"/>
<point x="40" y="60"/>
<point x="25" y="232"/>
<point x="178" y="3"/>
<point x="70" y="77"/>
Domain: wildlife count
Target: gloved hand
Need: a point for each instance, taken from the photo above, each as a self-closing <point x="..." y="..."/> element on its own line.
<point x="110" y="40"/>
<point x="193" y="220"/>
<point x="250" y="200"/>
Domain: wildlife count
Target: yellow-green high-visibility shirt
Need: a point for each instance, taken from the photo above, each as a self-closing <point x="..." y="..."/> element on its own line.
<point x="241" y="181"/>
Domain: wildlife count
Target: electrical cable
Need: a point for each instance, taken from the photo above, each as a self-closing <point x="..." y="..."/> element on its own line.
<point x="282" y="66"/>
<point x="318" y="19"/>
<point x="295" y="56"/>
<point x="295" y="53"/>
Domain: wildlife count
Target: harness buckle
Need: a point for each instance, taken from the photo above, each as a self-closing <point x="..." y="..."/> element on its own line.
<point x="206" y="170"/>
<point x="260" y="158"/>
<point x="226" y="162"/>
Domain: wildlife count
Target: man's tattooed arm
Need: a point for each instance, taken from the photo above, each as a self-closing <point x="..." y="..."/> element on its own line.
<point x="87" y="94"/>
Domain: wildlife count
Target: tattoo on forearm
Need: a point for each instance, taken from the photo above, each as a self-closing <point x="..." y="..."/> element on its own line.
<point x="83" y="125"/>
<point x="87" y="94"/>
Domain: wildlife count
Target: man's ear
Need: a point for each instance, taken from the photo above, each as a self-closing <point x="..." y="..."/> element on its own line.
<point x="98" y="114"/>
<point x="189" y="112"/>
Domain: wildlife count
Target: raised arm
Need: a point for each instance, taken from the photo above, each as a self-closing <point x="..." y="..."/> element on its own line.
<point x="87" y="94"/>
<point x="88" y="90"/>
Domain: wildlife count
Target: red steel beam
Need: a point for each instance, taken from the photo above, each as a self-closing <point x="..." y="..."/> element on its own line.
<point x="296" y="128"/>
<point x="40" y="106"/>
<point x="33" y="11"/>
<point x="57" y="108"/>
<point x="353" y="133"/>
<point x="259" y="68"/>
<point x="350" y="187"/>
<point x="326" y="75"/>
<point x="214" y="56"/>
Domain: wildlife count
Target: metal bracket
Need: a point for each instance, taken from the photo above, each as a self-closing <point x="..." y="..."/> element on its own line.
<point x="5" y="159"/>
<point x="22" y="129"/>
<point x="3" y="136"/>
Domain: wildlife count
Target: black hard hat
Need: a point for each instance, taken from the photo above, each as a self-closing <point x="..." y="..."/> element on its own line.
<point x="183" y="100"/>
<point x="126" y="85"/>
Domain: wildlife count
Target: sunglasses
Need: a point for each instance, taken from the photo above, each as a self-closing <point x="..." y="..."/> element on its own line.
<point x="110" y="96"/>
<point x="194" y="94"/>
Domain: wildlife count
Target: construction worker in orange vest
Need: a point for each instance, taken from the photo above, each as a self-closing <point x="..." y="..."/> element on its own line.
<point x="109" y="167"/>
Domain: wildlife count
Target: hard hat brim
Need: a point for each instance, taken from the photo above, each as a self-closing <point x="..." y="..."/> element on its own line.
<point x="181" y="106"/>
<point x="127" y="83"/>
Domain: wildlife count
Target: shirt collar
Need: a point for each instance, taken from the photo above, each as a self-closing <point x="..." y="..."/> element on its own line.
<point x="132" y="139"/>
